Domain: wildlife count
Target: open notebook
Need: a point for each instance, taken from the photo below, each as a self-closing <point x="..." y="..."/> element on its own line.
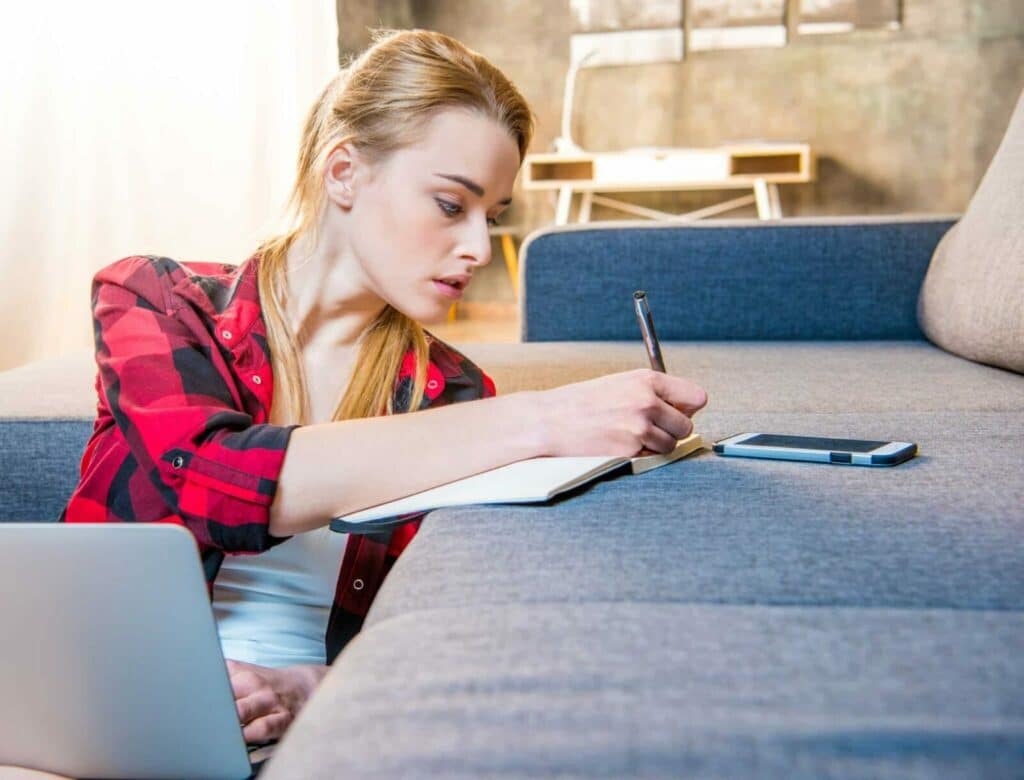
<point x="535" y="479"/>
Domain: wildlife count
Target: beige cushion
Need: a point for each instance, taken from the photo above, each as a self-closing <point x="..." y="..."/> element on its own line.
<point x="972" y="299"/>
<point x="747" y="377"/>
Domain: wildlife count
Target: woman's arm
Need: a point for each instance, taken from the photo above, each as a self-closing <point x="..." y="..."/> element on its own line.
<point x="240" y="486"/>
<point x="340" y="467"/>
<point x="195" y="454"/>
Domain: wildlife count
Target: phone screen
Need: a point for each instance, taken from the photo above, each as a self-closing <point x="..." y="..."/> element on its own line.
<point x="813" y="443"/>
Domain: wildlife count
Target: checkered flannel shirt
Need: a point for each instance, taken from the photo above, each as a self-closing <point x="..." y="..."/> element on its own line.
<point x="182" y="434"/>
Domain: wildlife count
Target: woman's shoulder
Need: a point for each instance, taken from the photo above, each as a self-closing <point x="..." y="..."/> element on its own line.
<point x="150" y="269"/>
<point x="136" y="269"/>
<point x="155" y="279"/>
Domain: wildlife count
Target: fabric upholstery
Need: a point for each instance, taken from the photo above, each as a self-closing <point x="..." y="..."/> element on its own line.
<point x="941" y="531"/>
<point x="795" y="376"/>
<point x="972" y="299"/>
<point x="61" y="387"/>
<point x="39" y="466"/>
<point x="717" y="617"/>
<point x="834" y="278"/>
<point x="655" y="690"/>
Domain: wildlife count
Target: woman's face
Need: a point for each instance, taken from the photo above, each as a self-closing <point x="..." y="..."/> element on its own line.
<point x="418" y="222"/>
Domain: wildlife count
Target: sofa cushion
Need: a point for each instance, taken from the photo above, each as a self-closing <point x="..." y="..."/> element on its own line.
<point x="941" y="531"/>
<point x="654" y="690"/>
<point x="836" y="376"/>
<point x="718" y="617"/>
<point x="56" y="388"/>
<point x="972" y="299"/>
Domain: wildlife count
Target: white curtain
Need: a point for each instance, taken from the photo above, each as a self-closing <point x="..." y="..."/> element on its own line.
<point x="138" y="127"/>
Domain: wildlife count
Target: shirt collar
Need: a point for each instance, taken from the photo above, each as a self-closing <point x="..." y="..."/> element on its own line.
<point x="229" y="295"/>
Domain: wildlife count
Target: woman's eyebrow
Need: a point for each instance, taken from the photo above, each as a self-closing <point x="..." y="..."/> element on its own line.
<point x="470" y="185"/>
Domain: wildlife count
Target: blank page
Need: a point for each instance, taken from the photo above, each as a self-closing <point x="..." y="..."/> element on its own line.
<point x="536" y="479"/>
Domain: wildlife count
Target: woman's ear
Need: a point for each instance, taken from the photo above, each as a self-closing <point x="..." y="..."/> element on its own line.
<point x="339" y="176"/>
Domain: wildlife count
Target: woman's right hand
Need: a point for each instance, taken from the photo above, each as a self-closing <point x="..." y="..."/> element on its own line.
<point x="619" y="414"/>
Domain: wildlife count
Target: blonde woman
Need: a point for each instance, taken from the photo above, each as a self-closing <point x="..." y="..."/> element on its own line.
<point x="253" y="403"/>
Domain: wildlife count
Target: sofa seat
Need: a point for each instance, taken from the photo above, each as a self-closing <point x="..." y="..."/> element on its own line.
<point x="719" y="617"/>
<point x="669" y="690"/>
<point x="942" y="531"/>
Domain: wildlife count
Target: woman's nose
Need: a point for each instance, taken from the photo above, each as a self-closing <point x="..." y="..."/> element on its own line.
<point x="478" y="242"/>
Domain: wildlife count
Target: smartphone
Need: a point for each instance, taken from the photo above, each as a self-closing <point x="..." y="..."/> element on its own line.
<point x="854" y="452"/>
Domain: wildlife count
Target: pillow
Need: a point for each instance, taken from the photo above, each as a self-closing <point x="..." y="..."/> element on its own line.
<point x="972" y="299"/>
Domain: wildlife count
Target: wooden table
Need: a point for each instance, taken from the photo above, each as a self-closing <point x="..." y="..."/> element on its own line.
<point x="758" y="167"/>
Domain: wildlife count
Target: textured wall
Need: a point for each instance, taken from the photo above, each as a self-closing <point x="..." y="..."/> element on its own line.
<point x="902" y="121"/>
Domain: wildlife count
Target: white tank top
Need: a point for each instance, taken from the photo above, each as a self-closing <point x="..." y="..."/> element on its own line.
<point x="272" y="608"/>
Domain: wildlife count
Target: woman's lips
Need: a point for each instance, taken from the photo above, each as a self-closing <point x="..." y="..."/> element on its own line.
<point x="448" y="290"/>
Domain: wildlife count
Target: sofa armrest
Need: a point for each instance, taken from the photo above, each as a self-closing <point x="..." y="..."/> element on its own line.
<point x="836" y="278"/>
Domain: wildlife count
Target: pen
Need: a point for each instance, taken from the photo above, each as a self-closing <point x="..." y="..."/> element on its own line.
<point x="643" y="316"/>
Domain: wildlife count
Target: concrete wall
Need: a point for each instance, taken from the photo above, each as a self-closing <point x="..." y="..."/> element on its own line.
<point x="901" y="121"/>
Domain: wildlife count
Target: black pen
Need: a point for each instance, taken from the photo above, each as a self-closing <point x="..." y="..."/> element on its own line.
<point x="643" y="316"/>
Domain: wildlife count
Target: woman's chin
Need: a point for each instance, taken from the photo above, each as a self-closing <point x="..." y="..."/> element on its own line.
<point x="435" y="317"/>
<point x="426" y="313"/>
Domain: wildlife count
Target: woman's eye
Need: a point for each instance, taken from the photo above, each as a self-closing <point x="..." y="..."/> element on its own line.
<point x="449" y="209"/>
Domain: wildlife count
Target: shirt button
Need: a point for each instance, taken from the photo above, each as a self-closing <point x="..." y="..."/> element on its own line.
<point x="357" y="584"/>
<point x="178" y="462"/>
<point x="226" y="334"/>
<point x="257" y="380"/>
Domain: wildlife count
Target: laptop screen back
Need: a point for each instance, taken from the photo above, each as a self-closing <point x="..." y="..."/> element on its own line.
<point x="111" y="662"/>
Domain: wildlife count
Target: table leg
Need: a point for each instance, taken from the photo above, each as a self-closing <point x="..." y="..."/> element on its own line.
<point x="773" y="200"/>
<point x="763" y="200"/>
<point x="564" y="205"/>
<point x="586" y="200"/>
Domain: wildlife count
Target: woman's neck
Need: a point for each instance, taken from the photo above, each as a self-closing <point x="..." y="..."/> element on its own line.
<point x="328" y="305"/>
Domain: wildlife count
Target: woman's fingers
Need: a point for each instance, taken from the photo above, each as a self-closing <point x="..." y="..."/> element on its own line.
<point x="267" y="699"/>
<point x="256" y="705"/>
<point x="620" y="413"/>
<point x="684" y="395"/>
<point x="657" y="440"/>
<point x="669" y="419"/>
<point x="267" y="728"/>
<point x="665" y="423"/>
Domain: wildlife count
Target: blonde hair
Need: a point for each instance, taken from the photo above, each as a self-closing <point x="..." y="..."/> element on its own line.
<point x="380" y="102"/>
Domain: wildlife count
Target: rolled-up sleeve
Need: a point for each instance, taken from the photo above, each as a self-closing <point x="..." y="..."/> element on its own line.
<point x="176" y="403"/>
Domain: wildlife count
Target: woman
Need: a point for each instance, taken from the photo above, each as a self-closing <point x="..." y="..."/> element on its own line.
<point x="252" y="404"/>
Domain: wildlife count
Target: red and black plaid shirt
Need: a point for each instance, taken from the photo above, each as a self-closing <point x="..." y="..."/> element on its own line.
<point x="182" y="434"/>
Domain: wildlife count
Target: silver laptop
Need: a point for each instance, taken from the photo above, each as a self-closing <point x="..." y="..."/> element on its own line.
<point x="110" y="664"/>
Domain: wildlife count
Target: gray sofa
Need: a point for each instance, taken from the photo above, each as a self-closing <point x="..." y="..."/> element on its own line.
<point x="718" y="617"/>
<point x="715" y="618"/>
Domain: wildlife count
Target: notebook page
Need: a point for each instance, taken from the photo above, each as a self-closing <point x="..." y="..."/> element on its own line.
<point x="536" y="479"/>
